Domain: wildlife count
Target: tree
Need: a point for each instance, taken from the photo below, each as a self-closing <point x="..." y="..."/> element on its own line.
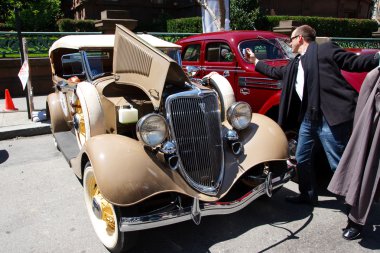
<point x="246" y="15"/>
<point x="35" y="15"/>
<point x="4" y="6"/>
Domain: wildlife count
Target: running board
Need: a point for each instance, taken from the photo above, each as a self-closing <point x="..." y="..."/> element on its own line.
<point x="67" y="144"/>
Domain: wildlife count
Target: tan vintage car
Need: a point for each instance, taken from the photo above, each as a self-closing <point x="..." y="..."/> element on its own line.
<point x="151" y="146"/>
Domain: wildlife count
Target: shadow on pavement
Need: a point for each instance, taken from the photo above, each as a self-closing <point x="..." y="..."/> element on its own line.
<point x="187" y="237"/>
<point x="4" y="155"/>
<point x="215" y="229"/>
<point x="371" y="232"/>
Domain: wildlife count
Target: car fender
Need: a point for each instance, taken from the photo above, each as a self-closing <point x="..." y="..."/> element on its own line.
<point x="273" y="101"/>
<point x="130" y="173"/>
<point x="127" y="173"/>
<point x="263" y="140"/>
<point x="57" y="117"/>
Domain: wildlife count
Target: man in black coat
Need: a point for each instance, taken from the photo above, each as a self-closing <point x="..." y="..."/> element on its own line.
<point x="316" y="97"/>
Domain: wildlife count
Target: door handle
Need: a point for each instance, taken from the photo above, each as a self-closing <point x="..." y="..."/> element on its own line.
<point x="245" y="91"/>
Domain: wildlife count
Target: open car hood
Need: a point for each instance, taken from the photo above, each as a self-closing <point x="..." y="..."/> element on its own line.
<point x="137" y="63"/>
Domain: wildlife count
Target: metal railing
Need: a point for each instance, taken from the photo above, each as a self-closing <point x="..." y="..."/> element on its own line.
<point x="171" y="37"/>
<point x="372" y="43"/>
<point x="40" y="42"/>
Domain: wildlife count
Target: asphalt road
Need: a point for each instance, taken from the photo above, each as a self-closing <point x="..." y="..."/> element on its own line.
<point x="42" y="210"/>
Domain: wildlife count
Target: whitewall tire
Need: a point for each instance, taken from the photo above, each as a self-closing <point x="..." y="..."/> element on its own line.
<point x="105" y="216"/>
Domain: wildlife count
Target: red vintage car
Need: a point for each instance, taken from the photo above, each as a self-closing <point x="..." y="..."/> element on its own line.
<point x="356" y="79"/>
<point x="222" y="52"/>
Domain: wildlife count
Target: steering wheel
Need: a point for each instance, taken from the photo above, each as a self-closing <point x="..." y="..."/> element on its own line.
<point x="94" y="72"/>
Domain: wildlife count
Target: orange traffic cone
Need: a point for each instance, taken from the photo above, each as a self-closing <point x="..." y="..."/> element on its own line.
<point x="9" y="106"/>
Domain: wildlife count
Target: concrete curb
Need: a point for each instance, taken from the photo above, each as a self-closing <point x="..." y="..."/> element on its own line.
<point x="26" y="130"/>
<point x="15" y="124"/>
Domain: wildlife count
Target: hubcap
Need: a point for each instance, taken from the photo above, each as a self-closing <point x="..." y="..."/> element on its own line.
<point x="79" y="121"/>
<point x="101" y="208"/>
<point x="96" y="208"/>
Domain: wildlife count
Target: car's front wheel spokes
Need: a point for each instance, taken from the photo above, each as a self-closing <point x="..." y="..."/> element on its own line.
<point x="102" y="208"/>
<point x="81" y="128"/>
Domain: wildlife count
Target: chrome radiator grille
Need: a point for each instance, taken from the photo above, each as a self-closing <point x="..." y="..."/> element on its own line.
<point x="196" y="127"/>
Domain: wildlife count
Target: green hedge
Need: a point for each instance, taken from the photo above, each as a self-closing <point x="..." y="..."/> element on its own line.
<point x="332" y="27"/>
<point x="71" y="25"/>
<point x="6" y="27"/>
<point x="185" y="25"/>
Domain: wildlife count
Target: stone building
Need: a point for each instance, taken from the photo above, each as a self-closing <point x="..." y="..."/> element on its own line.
<point x="147" y="12"/>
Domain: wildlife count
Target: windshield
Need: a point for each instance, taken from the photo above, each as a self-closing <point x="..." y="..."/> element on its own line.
<point x="72" y="65"/>
<point x="268" y="49"/>
<point x="173" y="53"/>
<point x="285" y="46"/>
<point x="99" y="63"/>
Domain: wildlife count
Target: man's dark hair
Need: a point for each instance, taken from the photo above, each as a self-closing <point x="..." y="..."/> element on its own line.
<point x="307" y="32"/>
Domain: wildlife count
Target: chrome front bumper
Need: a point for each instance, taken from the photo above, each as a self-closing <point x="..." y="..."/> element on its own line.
<point x="197" y="210"/>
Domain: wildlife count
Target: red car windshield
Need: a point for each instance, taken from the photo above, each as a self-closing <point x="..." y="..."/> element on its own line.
<point x="268" y="49"/>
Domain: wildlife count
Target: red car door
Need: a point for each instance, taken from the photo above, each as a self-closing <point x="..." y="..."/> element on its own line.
<point x="220" y="57"/>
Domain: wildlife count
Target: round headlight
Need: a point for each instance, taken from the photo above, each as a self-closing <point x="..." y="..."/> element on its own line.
<point x="152" y="129"/>
<point x="239" y="115"/>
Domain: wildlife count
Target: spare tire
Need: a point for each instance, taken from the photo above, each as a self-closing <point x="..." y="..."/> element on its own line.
<point x="224" y="89"/>
<point x="88" y="113"/>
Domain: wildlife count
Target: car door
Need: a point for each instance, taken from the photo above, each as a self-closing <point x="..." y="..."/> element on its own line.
<point x="219" y="57"/>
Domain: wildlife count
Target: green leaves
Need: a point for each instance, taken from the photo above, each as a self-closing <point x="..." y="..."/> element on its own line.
<point x="246" y="15"/>
<point x="35" y="15"/>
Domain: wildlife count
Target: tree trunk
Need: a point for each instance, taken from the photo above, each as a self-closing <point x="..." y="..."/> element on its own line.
<point x="218" y="19"/>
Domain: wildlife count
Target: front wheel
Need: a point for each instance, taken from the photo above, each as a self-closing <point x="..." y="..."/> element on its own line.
<point x="292" y="136"/>
<point x="105" y="216"/>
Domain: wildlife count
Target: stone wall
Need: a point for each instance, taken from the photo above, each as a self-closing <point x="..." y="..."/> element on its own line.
<point x="41" y="77"/>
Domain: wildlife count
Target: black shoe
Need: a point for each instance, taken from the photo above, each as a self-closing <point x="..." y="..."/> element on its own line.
<point x="301" y="199"/>
<point x="351" y="233"/>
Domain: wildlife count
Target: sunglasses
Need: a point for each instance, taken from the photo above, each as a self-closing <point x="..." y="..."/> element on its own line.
<point x="292" y="38"/>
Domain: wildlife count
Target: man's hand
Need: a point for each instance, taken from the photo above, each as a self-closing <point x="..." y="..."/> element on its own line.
<point x="250" y="56"/>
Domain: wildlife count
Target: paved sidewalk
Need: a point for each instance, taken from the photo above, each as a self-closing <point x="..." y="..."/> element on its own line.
<point x="16" y="123"/>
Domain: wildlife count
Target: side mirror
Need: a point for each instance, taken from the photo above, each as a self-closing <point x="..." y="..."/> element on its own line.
<point x="192" y="71"/>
